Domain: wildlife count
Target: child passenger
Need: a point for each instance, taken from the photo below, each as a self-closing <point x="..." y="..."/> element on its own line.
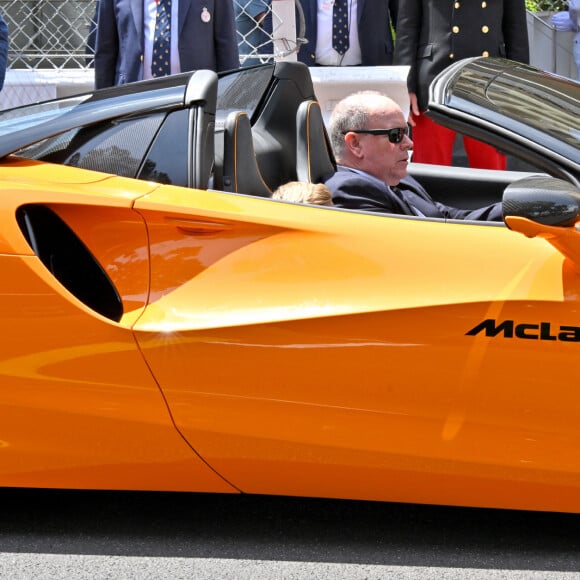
<point x="304" y="192"/>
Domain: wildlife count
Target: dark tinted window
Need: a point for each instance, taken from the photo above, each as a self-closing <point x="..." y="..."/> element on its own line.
<point x="540" y="107"/>
<point x="242" y="91"/>
<point x="550" y="109"/>
<point x="167" y="159"/>
<point x="116" y="147"/>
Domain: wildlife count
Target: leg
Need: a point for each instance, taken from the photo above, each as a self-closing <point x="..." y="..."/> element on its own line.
<point x="483" y="156"/>
<point x="432" y="142"/>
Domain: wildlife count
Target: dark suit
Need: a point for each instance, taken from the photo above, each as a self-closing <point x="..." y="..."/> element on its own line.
<point x="353" y="190"/>
<point x="4" y="42"/>
<point x="202" y="45"/>
<point x="375" y="37"/>
<point x="433" y="34"/>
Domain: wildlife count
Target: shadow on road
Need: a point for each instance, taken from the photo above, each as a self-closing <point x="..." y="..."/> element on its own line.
<point x="273" y="528"/>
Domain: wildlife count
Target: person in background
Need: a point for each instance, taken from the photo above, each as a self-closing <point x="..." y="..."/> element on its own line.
<point x="574" y="11"/>
<point x="92" y="39"/>
<point x="432" y="35"/>
<point x="151" y="38"/>
<point x="254" y="24"/>
<point x="371" y="143"/>
<point x="3" y="50"/>
<point x="304" y="192"/>
<point x="348" y="32"/>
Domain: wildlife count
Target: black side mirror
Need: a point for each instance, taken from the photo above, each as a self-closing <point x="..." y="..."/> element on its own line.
<point x="542" y="199"/>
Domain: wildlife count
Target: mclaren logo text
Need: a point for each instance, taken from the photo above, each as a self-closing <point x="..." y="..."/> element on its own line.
<point x="541" y="331"/>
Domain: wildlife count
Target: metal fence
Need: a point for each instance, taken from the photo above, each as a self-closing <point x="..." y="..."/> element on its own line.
<point x="51" y="46"/>
<point x="56" y="34"/>
<point x="48" y="34"/>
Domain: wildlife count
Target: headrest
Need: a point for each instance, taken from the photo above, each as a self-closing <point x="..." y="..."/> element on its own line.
<point x="241" y="173"/>
<point x="314" y="158"/>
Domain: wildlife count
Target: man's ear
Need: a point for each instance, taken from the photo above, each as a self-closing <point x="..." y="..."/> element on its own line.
<point x="353" y="144"/>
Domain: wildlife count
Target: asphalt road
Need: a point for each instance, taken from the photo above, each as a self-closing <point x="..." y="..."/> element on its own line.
<point x="63" y="534"/>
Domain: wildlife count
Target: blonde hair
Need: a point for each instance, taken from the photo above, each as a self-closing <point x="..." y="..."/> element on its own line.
<point x="304" y="192"/>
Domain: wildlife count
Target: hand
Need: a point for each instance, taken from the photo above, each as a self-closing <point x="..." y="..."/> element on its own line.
<point x="259" y="18"/>
<point x="413" y="108"/>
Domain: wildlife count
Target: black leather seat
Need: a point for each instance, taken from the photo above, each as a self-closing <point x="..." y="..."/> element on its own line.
<point x="241" y="173"/>
<point x="315" y="161"/>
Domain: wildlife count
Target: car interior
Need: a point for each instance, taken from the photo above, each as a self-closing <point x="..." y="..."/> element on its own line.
<point x="284" y="139"/>
<point x="246" y="131"/>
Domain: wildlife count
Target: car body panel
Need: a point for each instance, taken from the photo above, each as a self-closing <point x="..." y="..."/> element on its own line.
<point x="80" y="407"/>
<point x="305" y="372"/>
<point x="165" y="337"/>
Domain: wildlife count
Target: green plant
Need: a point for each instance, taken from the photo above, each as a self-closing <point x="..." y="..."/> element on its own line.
<point x="546" y="5"/>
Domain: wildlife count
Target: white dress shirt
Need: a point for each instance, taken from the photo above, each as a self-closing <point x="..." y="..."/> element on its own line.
<point x="325" y="54"/>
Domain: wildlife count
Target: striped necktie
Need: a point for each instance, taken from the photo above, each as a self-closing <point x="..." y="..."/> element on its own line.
<point x="161" y="65"/>
<point x="340" y="26"/>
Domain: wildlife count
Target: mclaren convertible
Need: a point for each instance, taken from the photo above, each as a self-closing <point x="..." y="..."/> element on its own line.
<point x="168" y="326"/>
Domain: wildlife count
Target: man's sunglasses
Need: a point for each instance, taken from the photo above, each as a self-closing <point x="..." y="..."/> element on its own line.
<point x="395" y="135"/>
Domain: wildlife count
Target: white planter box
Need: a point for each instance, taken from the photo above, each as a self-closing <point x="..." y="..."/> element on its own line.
<point x="550" y="49"/>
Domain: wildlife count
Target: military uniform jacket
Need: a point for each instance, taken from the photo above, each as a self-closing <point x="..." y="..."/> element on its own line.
<point x="433" y="34"/>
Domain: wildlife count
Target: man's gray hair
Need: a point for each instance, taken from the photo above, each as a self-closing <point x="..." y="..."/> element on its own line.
<point x="352" y="113"/>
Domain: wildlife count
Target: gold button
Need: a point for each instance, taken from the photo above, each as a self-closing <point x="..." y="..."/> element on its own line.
<point x="485" y="53"/>
<point x="457" y="5"/>
<point x="485" y="29"/>
<point x="451" y="56"/>
<point x="484" y="4"/>
<point x="455" y="29"/>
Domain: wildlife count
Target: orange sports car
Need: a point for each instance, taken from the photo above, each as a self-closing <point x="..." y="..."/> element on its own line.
<point x="167" y="326"/>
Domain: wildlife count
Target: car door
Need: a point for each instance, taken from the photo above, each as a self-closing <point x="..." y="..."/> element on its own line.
<point x="315" y="351"/>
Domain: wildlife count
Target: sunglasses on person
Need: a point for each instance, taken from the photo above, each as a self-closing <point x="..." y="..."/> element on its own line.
<point x="395" y="135"/>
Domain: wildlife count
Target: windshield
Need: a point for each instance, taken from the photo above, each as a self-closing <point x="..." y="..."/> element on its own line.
<point x="540" y="107"/>
<point x="551" y="108"/>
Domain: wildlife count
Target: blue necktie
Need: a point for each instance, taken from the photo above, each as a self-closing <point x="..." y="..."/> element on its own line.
<point x="161" y="62"/>
<point x="340" y="26"/>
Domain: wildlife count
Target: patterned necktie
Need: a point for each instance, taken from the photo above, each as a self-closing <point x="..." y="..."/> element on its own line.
<point x="340" y="26"/>
<point x="160" y="65"/>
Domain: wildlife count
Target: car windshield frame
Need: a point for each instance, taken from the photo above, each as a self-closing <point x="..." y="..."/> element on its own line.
<point x="20" y="127"/>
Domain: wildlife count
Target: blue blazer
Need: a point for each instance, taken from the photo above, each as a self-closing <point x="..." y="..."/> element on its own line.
<point x="120" y="40"/>
<point x="374" y="18"/>
<point x="355" y="191"/>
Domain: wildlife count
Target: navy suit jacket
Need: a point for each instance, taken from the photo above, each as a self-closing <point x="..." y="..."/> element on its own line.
<point x="202" y="45"/>
<point x="357" y="191"/>
<point x="373" y="20"/>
